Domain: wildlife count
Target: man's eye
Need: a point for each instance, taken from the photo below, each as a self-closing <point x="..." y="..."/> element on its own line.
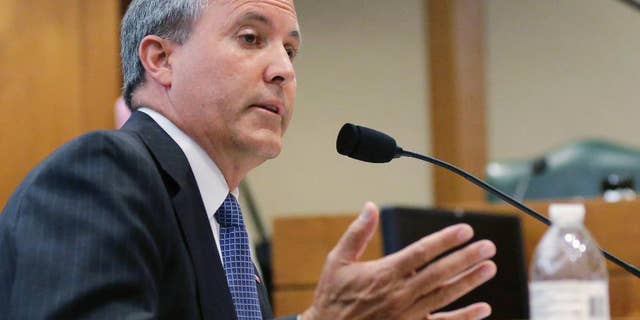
<point x="292" y="53"/>
<point x="249" y="38"/>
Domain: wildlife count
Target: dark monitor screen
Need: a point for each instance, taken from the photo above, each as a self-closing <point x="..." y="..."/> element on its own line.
<point x="507" y="292"/>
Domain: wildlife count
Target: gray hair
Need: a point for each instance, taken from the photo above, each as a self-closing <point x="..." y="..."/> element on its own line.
<point x="169" y="19"/>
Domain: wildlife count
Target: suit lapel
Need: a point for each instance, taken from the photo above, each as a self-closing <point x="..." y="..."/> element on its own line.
<point x="213" y="291"/>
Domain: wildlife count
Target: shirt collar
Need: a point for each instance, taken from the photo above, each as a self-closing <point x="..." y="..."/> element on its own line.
<point x="211" y="183"/>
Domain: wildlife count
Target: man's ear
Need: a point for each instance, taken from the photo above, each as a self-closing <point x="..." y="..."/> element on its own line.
<point x="154" y="53"/>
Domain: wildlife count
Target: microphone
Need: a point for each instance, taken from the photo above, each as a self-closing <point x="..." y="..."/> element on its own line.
<point x="538" y="167"/>
<point x="366" y="144"/>
<point x="370" y="145"/>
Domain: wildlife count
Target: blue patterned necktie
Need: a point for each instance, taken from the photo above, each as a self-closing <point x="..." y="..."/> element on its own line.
<point x="236" y="257"/>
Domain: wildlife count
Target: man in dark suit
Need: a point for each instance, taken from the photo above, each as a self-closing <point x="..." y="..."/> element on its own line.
<point x="143" y="222"/>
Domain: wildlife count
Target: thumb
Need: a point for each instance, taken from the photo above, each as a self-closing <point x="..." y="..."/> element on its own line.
<point x="354" y="241"/>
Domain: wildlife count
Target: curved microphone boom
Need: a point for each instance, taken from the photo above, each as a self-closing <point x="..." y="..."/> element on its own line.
<point x="370" y="145"/>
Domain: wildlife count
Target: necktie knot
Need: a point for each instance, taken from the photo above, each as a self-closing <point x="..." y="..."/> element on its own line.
<point x="229" y="214"/>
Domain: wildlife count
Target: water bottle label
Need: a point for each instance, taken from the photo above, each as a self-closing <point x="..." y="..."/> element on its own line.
<point x="569" y="299"/>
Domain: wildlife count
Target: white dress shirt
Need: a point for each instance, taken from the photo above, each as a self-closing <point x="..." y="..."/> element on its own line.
<point x="211" y="183"/>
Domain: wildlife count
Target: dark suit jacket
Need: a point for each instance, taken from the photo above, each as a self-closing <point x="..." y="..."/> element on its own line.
<point x="112" y="226"/>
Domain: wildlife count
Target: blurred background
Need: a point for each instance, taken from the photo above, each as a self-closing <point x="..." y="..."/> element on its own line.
<point x="551" y="72"/>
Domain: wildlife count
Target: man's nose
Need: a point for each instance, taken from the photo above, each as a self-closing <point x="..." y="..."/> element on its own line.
<point x="280" y="69"/>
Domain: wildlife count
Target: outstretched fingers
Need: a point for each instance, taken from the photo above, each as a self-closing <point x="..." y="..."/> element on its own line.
<point x="421" y="252"/>
<point x="453" y="290"/>
<point x="479" y="310"/>
<point x="452" y="266"/>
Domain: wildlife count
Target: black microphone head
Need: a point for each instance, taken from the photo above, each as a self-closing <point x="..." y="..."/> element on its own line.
<point x="366" y="144"/>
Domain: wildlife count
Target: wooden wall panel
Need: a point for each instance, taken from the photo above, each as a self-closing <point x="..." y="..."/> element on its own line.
<point x="100" y="63"/>
<point x="456" y="67"/>
<point x="58" y="78"/>
<point x="292" y="301"/>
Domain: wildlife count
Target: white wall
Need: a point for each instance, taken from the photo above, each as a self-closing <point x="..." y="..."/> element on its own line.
<point x="362" y="61"/>
<point x="560" y="70"/>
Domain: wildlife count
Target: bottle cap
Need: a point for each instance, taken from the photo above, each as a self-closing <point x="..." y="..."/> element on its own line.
<point x="564" y="214"/>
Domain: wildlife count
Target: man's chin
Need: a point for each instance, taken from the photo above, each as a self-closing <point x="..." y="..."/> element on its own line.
<point x="265" y="147"/>
<point x="272" y="151"/>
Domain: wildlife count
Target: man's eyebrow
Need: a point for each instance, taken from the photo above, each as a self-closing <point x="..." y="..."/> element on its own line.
<point x="254" y="16"/>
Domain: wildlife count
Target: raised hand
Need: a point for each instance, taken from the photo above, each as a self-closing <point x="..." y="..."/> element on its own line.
<point x="408" y="284"/>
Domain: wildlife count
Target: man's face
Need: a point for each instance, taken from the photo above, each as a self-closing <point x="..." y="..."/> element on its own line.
<point x="233" y="85"/>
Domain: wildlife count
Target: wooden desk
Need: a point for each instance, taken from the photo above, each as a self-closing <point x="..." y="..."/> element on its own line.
<point x="300" y="245"/>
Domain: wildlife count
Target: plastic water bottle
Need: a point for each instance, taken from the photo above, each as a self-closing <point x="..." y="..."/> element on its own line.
<point x="568" y="276"/>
